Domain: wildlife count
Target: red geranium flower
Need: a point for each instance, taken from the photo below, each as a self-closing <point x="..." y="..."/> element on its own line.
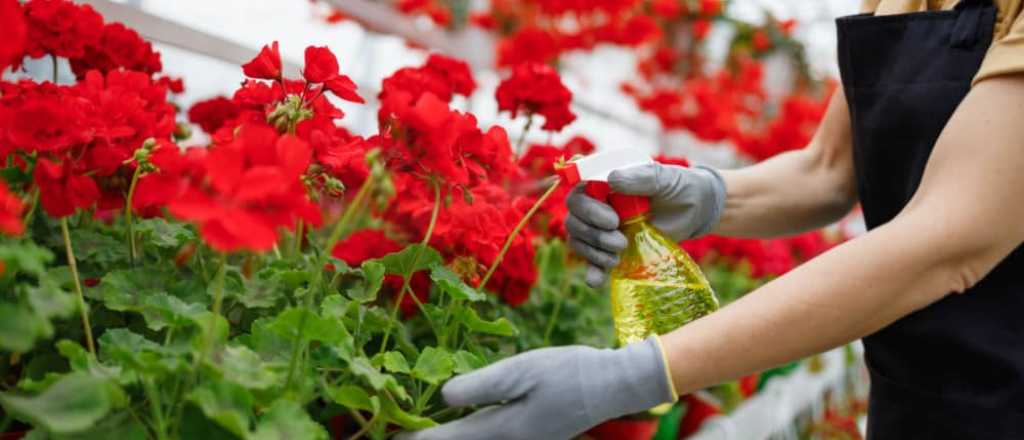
<point x="536" y="89"/>
<point x="322" y="67"/>
<point x="118" y="47"/>
<point x="12" y="45"/>
<point x="61" y="190"/>
<point x="251" y="188"/>
<point x="212" y="113"/>
<point x="174" y="170"/>
<point x="61" y="28"/>
<point x="11" y="209"/>
<point x="528" y="45"/>
<point x="266" y="65"/>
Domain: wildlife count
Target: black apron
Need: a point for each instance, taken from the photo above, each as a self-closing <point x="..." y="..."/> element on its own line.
<point x="954" y="370"/>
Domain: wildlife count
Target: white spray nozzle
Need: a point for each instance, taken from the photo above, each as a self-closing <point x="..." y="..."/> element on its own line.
<point x="596" y="167"/>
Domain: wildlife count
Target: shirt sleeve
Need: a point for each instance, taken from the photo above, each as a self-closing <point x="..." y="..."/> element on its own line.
<point x="1006" y="56"/>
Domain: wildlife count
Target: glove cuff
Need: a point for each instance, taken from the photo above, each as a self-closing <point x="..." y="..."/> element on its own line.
<point x="717" y="202"/>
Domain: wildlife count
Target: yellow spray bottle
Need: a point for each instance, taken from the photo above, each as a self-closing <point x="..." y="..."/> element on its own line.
<point x="656" y="287"/>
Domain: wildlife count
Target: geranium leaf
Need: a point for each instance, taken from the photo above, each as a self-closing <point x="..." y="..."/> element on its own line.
<point x="135" y="352"/>
<point x="74" y="403"/>
<point x="466" y="362"/>
<point x="451" y="284"/>
<point x="473" y="321"/>
<point x="125" y="289"/>
<point x="162" y="310"/>
<point x="394" y="362"/>
<point x="19" y="328"/>
<point x="373" y="278"/>
<point x="413" y="258"/>
<point x="394" y="414"/>
<point x="434" y="365"/>
<point x="287" y="420"/>
<point x="163" y="234"/>
<point x="351" y="396"/>
<point x="25" y="256"/>
<point x="97" y="248"/>
<point x="362" y="367"/>
<point x="244" y="367"/>
<point x="227" y="404"/>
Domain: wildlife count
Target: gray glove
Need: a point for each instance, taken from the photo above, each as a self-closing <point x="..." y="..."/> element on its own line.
<point x="685" y="203"/>
<point x="555" y="393"/>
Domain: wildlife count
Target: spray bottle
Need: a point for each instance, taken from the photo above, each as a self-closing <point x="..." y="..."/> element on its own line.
<point x="656" y="287"/>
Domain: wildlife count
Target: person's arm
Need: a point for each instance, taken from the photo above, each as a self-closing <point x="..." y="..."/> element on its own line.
<point x="964" y="219"/>
<point x="798" y="190"/>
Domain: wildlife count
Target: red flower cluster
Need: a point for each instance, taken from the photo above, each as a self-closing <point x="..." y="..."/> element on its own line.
<point x="83" y="134"/>
<point x="773" y="257"/>
<point x="61" y="28"/>
<point x="369" y="244"/>
<point x="12" y="21"/>
<point x="437" y="10"/>
<point x="251" y="187"/>
<point x="536" y="89"/>
<point x="213" y="113"/>
<point x="11" y="209"/>
<point x="422" y="135"/>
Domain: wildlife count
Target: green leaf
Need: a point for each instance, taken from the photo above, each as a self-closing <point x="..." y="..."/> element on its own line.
<point x="125" y="289"/>
<point x="74" y="403"/>
<point x="164" y="234"/>
<point x="97" y="248"/>
<point x="466" y="362"/>
<point x="82" y="361"/>
<point x="135" y="352"/>
<point x="351" y="396"/>
<point x="363" y="368"/>
<point x="286" y="420"/>
<point x="49" y="300"/>
<point x="451" y="284"/>
<point x="19" y="328"/>
<point x="394" y="414"/>
<point x="244" y="367"/>
<point x="162" y="310"/>
<point x="406" y="261"/>
<point x="434" y="365"/>
<point x="373" y="279"/>
<point x="395" y="362"/>
<point x="26" y="256"/>
<point x="227" y="404"/>
<point x="473" y="321"/>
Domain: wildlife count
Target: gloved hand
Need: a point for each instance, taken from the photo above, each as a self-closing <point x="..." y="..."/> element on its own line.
<point x="685" y="203"/>
<point x="555" y="393"/>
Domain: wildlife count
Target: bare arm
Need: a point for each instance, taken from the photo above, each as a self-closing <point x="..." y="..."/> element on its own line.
<point x="798" y="190"/>
<point x="963" y="220"/>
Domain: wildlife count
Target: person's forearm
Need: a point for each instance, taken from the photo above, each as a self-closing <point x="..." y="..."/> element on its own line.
<point x="795" y="191"/>
<point x="845" y="294"/>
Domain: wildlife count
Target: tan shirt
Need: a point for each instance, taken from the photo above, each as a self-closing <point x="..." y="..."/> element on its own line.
<point x="1006" y="56"/>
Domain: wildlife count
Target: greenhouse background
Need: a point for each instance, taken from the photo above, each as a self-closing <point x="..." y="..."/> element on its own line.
<point x="205" y="42"/>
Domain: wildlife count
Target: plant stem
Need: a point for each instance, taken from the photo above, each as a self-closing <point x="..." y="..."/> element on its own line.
<point x="407" y="277"/>
<point x="515" y="232"/>
<point x="218" y="298"/>
<point x="366" y="425"/>
<point x="552" y="319"/>
<point x="318" y="274"/>
<point x="55" y="68"/>
<point x="277" y="252"/>
<point x="522" y="137"/>
<point x="156" y="407"/>
<point x="33" y="203"/>
<point x="298" y="239"/>
<point x="132" y="252"/>
<point x="73" y="264"/>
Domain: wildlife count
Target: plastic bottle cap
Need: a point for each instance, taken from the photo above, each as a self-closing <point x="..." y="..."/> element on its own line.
<point x="629" y="206"/>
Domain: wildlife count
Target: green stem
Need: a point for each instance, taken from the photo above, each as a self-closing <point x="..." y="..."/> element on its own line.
<point x="515" y="233"/>
<point x="55" y="68"/>
<point x="277" y="252"/>
<point x="33" y="204"/>
<point x="552" y="319"/>
<point x="366" y="425"/>
<point x="218" y="299"/>
<point x="522" y="137"/>
<point x="407" y="277"/>
<point x="298" y="239"/>
<point x="156" y="407"/>
<point x="73" y="264"/>
<point x="132" y="252"/>
<point x="318" y="274"/>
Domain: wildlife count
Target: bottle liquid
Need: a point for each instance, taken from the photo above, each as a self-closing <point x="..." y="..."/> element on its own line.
<point x="656" y="287"/>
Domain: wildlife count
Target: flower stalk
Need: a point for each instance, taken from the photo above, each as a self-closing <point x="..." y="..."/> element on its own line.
<point x="73" y="264"/>
<point x="407" y="277"/>
<point x="515" y="232"/>
<point x="129" y="222"/>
